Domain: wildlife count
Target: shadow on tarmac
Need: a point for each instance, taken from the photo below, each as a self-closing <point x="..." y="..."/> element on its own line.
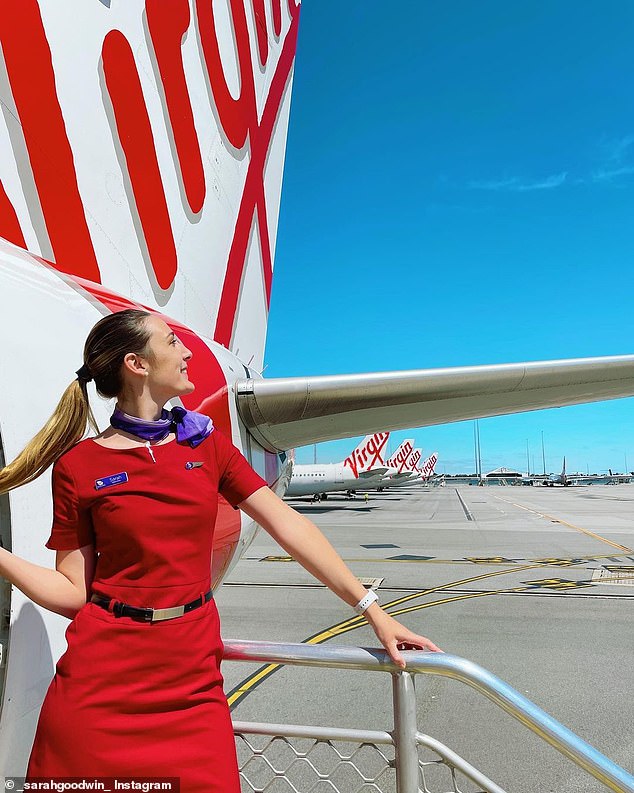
<point x="320" y="509"/>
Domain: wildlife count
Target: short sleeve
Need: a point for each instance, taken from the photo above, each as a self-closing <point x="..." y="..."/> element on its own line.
<point x="72" y="525"/>
<point x="237" y="480"/>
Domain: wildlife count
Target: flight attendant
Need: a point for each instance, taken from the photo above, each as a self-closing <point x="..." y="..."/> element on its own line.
<point x="138" y="691"/>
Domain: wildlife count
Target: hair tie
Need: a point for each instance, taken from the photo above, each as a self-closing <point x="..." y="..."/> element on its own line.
<point x="83" y="373"/>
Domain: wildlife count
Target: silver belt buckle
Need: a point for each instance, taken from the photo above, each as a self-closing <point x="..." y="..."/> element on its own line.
<point x="167" y="614"/>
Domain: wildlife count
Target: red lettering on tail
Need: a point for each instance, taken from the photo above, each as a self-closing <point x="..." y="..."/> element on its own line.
<point x="168" y="21"/>
<point x="137" y="142"/>
<point x="237" y="116"/>
<point x="400" y="458"/>
<point x="260" y="28"/>
<point x="277" y="16"/>
<point x="414" y="460"/>
<point x="253" y="200"/>
<point x="29" y="67"/>
<point x="371" y="453"/>
<point x="352" y="464"/>
<point x="429" y="465"/>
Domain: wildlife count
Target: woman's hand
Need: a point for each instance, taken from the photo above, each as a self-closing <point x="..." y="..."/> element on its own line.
<point x="302" y="540"/>
<point x="394" y="636"/>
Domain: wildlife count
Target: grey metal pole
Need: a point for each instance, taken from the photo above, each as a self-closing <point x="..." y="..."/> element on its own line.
<point x="543" y="455"/>
<point x="405" y="731"/>
<point x="528" y="460"/>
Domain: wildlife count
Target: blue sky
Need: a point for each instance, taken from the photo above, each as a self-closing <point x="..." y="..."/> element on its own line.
<point x="459" y="190"/>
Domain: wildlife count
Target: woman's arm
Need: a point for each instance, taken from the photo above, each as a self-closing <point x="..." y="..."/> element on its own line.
<point x="63" y="590"/>
<point x="305" y="543"/>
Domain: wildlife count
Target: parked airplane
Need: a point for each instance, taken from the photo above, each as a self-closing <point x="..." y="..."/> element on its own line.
<point x="424" y="471"/>
<point x="428" y="467"/>
<point x="567" y="480"/>
<point x="419" y="473"/>
<point x="398" y="463"/>
<point x="141" y="154"/>
<point x="413" y="461"/>
<point x="411" y="470"/>
<point x="558" y="479"/>
<point x="397" y="470"/>
<point x="363" y="468"/>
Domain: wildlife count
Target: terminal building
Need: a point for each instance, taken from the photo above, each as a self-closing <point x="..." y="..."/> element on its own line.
<point x="503" y="473"/>
<point x="500" y="476"/>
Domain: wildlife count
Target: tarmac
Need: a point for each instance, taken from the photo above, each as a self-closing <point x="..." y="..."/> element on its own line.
<point x="524" y="581"/>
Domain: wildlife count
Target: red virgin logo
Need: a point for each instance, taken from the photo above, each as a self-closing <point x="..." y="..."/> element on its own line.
<point x="414" y="460"/>
<point x="429" y="465"/>
<point x="246" y="121"/>
<point x="369" y="455"/>
<point x="401" y="457"/>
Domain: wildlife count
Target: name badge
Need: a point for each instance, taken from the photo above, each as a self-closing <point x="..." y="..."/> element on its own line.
<point x="109" y="481"/>
<point x="189" y="466"/>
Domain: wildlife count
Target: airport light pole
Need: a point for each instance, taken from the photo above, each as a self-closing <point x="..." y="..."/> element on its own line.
<point x="528" y="460"/>
<point x="543" y="455"/>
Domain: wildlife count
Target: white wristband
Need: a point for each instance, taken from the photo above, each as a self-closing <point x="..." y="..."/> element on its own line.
<point x="366" y="601"/>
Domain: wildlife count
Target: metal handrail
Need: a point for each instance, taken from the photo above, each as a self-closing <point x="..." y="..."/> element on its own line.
<point x="504" y="696"/>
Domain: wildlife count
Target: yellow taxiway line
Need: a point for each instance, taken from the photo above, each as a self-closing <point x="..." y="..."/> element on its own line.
<point x="566" y="523"/>
<point x="237" y="694"/>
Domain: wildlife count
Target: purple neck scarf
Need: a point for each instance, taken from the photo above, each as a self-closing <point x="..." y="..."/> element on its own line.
<point x="190" y="427"/>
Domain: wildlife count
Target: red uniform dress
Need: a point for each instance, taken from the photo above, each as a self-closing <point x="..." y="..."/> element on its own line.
<point x="143" y="699"/>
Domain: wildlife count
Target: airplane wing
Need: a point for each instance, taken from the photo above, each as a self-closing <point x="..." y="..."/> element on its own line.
<point x="285" y="412"/>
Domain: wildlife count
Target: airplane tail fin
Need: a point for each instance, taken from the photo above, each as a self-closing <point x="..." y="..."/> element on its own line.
<point x="368" y="454"/>
<point x="427" y="468"/>
<point x="401" y="456"/>
<point x="147" y="154"/>
<point x="412" y="463"/>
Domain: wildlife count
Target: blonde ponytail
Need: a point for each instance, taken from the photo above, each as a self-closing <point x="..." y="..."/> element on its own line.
<point x="106" y="346"/>
<point x="65" y="427"/>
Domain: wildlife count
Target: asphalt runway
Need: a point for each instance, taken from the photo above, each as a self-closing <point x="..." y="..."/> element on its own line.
<point x="507" y="577"/>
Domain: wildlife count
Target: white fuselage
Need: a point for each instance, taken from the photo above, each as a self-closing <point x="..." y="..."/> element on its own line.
<point x="309" y="480"/>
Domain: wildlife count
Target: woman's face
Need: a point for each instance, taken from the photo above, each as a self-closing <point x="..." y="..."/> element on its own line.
<point x="167" y="365"/>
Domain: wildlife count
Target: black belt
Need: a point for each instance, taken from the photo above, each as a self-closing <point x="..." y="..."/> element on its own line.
<point x="146" y="614"/>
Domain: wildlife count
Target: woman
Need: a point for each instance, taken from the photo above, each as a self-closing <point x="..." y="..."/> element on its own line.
<point x="139" y="691"/>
